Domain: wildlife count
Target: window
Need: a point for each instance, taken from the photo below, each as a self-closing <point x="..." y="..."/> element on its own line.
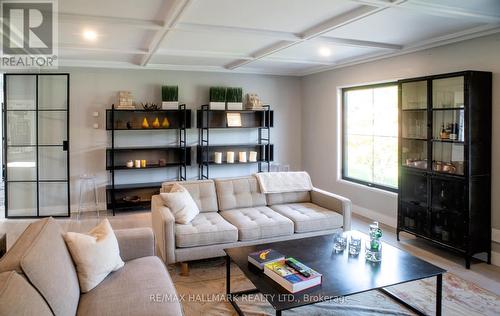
<point x="370" y="135"/>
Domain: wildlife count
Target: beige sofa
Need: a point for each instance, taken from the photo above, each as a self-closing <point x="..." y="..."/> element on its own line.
<point x="233" y="212"/>
<point x="37" y="277"/>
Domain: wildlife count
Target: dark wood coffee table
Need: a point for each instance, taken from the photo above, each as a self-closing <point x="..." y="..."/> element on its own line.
<point x="343" y="275"/>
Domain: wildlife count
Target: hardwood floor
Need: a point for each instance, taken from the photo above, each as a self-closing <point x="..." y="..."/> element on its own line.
<point x="482" y="274"/>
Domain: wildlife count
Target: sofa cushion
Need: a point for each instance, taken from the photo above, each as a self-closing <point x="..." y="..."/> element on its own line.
<point x="202" y="192"/>
<point x="181" y="204"/>
<point x="205" y="229"/>
<point x="12" y="259"/>
<point x="142" y="287"/>
<point x="49" y="267"/>
<point x="19" y="297"/>
<point x="239" y="192"/>
<point x="288" y="197"/>
<point x="308" y="217"/>
<point x="95" y="254"/>
<point x="258" y="223"/>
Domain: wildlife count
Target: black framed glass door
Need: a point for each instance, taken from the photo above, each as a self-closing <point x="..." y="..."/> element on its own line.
<point x="36" y="148"/>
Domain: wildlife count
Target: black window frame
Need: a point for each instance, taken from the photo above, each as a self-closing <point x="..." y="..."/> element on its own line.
<point x="344" y="135"/>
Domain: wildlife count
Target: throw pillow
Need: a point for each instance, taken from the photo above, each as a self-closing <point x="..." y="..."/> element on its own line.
<point x="95" y="254"/>
<point x="181" y="204"/>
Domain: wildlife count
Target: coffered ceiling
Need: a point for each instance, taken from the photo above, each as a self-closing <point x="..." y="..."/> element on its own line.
<point x="285" y="37"/>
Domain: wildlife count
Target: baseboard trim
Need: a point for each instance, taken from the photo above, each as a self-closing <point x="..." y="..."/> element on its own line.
<point x="495" y="258"/>
<point x="376" y="216"/>
<point x="495" y="235"/>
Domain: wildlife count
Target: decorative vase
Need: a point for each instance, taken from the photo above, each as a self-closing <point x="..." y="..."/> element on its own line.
<point x="170" y="105"/>
<point x="165" y="123"/>
<point x="374" y="247"/>
<point x="156" y="123"/>
<point x="145" y="123"/>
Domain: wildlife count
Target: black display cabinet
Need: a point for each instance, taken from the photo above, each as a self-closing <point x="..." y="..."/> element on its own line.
<point x="230" y="119"/>
<point x="445" y="160"/>
<point x="130" y="196"/>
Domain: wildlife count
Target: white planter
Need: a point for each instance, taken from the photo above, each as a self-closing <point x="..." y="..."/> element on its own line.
<point x="217" y="105"/>
<point x="170" y="105"/>
<point x="236" y="106"/>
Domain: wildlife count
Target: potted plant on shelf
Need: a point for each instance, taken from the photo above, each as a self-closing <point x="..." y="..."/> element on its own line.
<point x="217" y="98"/>
<point x="234" y="97"/>
<point x="170" y="97"/>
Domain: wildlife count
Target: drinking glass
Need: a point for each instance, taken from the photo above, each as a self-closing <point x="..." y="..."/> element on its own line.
<point x="354" y="245"/>
<point x="339" y="242"/>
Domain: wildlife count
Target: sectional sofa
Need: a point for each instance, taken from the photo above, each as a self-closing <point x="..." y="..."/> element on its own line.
<point x="234" y="212"/>
<point x="38" y="277"/>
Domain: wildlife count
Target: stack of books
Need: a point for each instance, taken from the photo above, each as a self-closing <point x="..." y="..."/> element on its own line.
<point x="260" y="258"/>
<point x="290" y="273"/>
<point x="125" y="100"/>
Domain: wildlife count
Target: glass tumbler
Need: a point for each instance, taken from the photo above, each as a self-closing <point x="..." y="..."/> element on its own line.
<point x="354" y="245"/>
<point x="339" y="242"/>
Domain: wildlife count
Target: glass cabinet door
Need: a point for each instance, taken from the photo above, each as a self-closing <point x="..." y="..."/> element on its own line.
<point x="414" y="95"/>
<point x="36" y="144"/>
<point x="448" y="125"/>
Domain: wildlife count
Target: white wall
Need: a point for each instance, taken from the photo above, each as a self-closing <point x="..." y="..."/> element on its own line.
<point x="96" y="89"/>
<point x="320" y="120"/>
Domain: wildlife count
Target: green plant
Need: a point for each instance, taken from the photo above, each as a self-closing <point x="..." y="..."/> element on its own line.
<point x="234" y="95"/>
<point x="218" y="94"/>
<point x="170" y="93"/>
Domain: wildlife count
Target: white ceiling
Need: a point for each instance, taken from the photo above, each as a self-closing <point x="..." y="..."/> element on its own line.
<point x="262" y="36"/>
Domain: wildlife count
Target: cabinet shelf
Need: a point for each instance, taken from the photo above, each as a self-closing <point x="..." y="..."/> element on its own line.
<point x="450" y="208"/>
<point x="447" y="141"/>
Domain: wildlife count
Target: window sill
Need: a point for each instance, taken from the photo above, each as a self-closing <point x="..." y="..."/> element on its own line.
<point x="366" y="187"/>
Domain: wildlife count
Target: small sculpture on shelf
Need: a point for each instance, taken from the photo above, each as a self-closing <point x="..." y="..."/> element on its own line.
<point x="150" y="106"/>
<point x="253" y="102"/>
<point x="165" y="123"/>
<point x="145" y="123"/>
<point x="156" y="123"/>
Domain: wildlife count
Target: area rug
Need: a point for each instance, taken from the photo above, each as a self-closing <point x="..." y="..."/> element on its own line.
<point x="202" y="293"/>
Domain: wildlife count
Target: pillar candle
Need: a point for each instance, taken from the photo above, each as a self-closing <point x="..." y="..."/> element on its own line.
<point x="242" y="156"/>
<point x="137" y="163"/>
<point x="252" y="156"/>
<point x="218" y="157"/>
<point x="230" y="157"/>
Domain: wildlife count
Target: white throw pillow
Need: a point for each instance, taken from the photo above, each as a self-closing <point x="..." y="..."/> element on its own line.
<point x="181" y="204"/>
<point x="95" y="254"/>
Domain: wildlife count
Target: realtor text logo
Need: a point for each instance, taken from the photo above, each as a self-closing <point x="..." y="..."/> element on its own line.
<point x="29" y="34"/>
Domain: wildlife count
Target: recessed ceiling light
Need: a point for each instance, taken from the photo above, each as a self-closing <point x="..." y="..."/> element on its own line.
<point x="89" y="35"/>
<point x="325" y="51"/>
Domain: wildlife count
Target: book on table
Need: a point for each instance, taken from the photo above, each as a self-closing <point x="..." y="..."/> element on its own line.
<point x="260" y="258"/>
<point x="291" y="279"/>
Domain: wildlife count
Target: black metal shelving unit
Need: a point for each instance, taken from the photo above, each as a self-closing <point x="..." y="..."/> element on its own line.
<point x="217" y="119"/>
<point x="174" y="156"/>
<point x="445" y="133"/>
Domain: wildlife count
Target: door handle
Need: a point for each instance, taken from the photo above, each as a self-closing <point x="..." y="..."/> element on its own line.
<point x="65" y="145"/>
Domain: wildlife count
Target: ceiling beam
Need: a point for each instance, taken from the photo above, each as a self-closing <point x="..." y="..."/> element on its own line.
<point x="358" y="43"/>
<point x="183" y="53"/>
<point x="70" y="18"/>
<point x="73" y="47"/>
<point x="285" y="36"/>
<point x="474" y="32"/>
<point x="437" y="9"/>
<point x="207" y="28"/>
<point x="173" y="13"/>
<point x="313" y="32"/>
